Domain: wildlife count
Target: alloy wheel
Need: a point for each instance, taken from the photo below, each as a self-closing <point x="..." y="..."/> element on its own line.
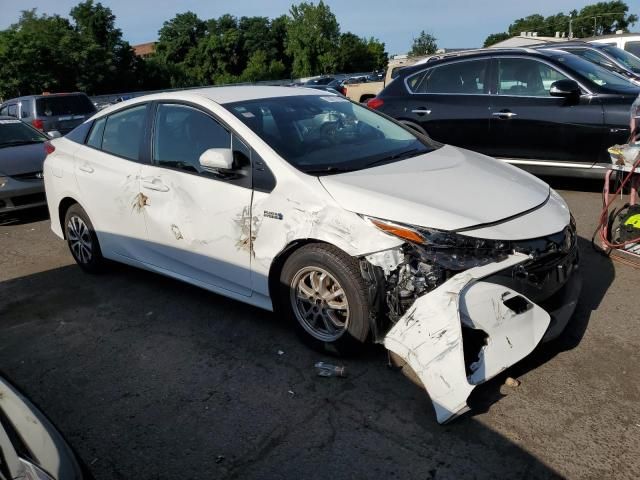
<point x="319" y="303"/>
<point x="79" y="238"/>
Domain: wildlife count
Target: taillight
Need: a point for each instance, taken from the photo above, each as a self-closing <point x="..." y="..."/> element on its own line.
<point x="343" y="91"/>
<point x="375" y="103"/>
<point x="37" y="123"/>
<point x="49" y="148"/>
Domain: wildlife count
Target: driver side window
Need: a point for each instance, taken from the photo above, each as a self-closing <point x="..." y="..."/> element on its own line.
<point x="522" y="77"/>
<point x="182" y="134"/>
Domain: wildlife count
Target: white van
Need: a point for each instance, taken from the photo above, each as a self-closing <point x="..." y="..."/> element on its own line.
<point x="627" y="41"/>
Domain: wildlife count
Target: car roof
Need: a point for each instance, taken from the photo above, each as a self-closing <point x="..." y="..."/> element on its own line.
<point x="47" y="95"/>
<point x="237" y="93"/>
<point x="477" y="53"/>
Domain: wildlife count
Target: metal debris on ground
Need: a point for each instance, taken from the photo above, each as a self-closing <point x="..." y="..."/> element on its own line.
<point x="280" y="352"/>
<point x="324" y="369"/>
<point x="512" y="382"/>
<point x="219" y="458"/>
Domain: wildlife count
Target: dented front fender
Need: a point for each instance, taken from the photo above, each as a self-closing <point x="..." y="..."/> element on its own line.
<point x="429" y="335"/>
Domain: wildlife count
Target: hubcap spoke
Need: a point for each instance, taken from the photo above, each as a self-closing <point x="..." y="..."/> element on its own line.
<point x="79" y="237"/>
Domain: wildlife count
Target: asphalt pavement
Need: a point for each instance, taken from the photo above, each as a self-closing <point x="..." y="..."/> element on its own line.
<point x="150" y="378"/>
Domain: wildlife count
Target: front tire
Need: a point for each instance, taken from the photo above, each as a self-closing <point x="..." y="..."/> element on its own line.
<point x="82" y="240"/>
<point x="324" y="294"/>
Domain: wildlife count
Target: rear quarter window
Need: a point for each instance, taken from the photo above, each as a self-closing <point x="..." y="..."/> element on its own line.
<point x="633" y="47"/>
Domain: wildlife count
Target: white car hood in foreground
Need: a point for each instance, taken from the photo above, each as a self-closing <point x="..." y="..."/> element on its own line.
<point x="449" y="188"/>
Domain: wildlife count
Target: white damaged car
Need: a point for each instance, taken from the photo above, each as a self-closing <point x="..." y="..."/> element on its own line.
<point x="340" y="218"/>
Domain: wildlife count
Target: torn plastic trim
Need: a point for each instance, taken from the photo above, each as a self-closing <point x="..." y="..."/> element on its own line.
<point x="429" y="335"/>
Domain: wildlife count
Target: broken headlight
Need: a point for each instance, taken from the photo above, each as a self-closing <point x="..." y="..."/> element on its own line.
<point x="449" y="250"/>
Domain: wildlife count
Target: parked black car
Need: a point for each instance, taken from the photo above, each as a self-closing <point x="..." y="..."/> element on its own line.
<point x="22" y="154"/>
<point x="607" y="56"/>
<point x="54" y="114"/>
<point x="548" y="111"/>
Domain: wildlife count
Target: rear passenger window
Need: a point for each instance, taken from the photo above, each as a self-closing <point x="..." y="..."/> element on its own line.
<point x="633" y="47"/>
<point x="455" y="78"/>
<point x="123" y="132"/>
<point x="95" y="137"/>
<point x="182" y="134"/>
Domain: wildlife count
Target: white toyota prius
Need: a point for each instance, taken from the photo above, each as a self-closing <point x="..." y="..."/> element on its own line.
<point x="355" y="227"/>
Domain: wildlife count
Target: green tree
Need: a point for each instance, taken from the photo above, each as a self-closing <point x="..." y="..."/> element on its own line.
<point x="37" y="54"/>
<point x="425" y="44"/>
<point x="105" y="62"/>
<point x="312" y="36"/>
<point x="495" y="38"/>
<point x="609" y="17"/>
<point x="357" y="54"/>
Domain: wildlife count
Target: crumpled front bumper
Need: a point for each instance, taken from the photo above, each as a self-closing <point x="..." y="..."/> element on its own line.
<point x="429" y="336"/>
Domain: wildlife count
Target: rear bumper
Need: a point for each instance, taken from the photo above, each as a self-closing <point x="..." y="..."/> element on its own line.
<point x="21" y="194"/>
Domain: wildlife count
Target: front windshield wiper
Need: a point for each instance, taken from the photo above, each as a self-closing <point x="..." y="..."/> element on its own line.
<point x="20" y="142"/>
<point x="396" y="156"/>
<point x="327" y="170"/>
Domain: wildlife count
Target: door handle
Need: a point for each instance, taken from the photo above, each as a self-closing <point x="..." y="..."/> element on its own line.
<point x="155" y="184"/>
<point x="421" y="111"/>
<point x="86" y="168"/>
<point x="504" y="114"/>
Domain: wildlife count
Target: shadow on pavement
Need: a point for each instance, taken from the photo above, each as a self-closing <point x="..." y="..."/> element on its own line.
<point x="22" y="217"/>
<point x="153" y="378"/>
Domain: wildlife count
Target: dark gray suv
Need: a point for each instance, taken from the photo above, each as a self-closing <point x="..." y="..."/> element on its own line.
<point x="55" y="113"/>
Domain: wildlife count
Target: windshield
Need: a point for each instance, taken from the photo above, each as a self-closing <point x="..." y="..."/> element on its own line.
<point x="596" y="74"/>
<point x="14" y="132"/>
<point x="625" y="58"/>
<point x="64" y="105"/>
<point x="323" y="134"/>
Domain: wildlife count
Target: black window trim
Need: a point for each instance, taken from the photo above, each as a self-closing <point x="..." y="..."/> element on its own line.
<point x="460" y="60"/>
<point x="142" y="153"/>
<point x="245" y="181"/>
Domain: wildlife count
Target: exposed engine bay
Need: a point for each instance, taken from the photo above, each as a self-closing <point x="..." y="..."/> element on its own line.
<point x="424" y="267"/>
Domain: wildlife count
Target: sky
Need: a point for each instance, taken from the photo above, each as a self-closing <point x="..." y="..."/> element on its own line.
<point x="455" y="23"/>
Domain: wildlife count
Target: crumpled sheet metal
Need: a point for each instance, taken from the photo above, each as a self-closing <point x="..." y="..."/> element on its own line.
<point x="429" y="335"/>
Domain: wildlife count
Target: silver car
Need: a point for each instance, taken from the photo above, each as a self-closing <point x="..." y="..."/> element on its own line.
<point x="22" y="153"/>
<point x="55" y="114"/>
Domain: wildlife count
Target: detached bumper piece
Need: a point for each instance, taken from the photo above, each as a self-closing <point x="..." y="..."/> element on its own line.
<point x="506" y="326"/>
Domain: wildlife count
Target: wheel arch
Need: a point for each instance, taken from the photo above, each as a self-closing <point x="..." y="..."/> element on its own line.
<point x="63" y="206"/>
<point x="281" y="258"/>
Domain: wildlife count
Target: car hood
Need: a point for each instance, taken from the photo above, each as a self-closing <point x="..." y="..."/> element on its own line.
<point x="22" y="159"/>
<point x="449" y="189"/>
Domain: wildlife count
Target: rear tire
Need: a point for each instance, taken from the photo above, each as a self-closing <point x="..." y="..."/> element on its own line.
<point x="82" y="240"/>
<point x="324" y="294"/>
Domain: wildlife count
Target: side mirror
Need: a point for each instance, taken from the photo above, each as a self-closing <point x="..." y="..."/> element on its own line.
<point x="217" y="159"/>
<point x="54" y="134"/>
<point x="565" y="88"/>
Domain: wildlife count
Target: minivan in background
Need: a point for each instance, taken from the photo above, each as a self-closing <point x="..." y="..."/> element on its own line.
<point x="55" y="114"/>
<point x="626" y="41"/>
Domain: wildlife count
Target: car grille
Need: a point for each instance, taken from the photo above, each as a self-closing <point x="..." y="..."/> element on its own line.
<point x="555" y="259"/>
<point x="28" y="176"/>
<point x="28" y="199"/>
